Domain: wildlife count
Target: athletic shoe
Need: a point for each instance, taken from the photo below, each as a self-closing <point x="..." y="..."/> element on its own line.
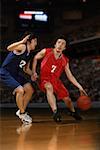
<point x="18" y="113"/>
<point x="25" y="118"/>
<point x="57" y="116"/>
<point x="76" y="116"/>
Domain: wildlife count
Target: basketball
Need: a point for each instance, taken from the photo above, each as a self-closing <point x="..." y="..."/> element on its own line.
<point x="84" y="103"/>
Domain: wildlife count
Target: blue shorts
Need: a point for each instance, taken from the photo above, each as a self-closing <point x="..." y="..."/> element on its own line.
<point x="12" y="81"/>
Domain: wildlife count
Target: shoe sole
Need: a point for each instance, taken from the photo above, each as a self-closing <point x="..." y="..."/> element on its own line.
<point x="26" y="122"/>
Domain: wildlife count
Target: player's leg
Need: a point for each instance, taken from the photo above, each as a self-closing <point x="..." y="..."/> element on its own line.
<point x="72" y="111"/>
<point x="11" y="83"/>
<point x="19" y="91"/>
<point x="69" y="103"/>
<point x="52" y="101"/>
<point x="25" y="118"/>
<point x="25" y="97"/>
<point x="27" y="94"/>
<point x="50" y="96"/>
<point x="63" y="94"/>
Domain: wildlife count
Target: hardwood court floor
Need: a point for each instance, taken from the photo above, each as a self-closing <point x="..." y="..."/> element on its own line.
<point x="45" y="134"/>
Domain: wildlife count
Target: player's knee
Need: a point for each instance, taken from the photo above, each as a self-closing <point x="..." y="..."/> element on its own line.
<point x="49" y="86"/>
<point x="19" y="90"/>
<point x="30" y="89"/>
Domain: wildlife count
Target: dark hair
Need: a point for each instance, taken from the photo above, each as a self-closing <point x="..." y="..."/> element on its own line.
<point x="31" y="35"/>
<point x="61" y="37"/>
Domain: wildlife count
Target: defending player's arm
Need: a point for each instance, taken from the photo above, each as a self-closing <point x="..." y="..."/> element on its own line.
<point x="73" y="80"/>
<point x="27" y="69"/>
<point x="18" y="46"/>
<point x="37" y="57"/>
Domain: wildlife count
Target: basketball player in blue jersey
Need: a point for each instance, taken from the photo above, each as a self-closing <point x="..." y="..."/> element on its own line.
<point x="12" y="74"/>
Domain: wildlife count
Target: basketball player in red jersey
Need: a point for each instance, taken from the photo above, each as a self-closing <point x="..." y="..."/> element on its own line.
<point x="53" y="64"/>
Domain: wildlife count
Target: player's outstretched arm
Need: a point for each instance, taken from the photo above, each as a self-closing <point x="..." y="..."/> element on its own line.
<point x="37" y="57"/>
<point x="18" y="46"/>
<point x="73" y="80"/>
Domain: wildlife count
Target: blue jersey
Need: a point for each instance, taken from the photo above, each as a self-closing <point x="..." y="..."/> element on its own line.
<point x="11" y="71"/>
<point x="14" y="63"/>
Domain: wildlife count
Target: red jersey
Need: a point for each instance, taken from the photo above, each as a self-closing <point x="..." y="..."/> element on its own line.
<point x="52" y="67"/>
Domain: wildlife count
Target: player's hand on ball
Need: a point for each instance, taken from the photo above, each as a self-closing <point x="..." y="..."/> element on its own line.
<point x="82" y="92"/>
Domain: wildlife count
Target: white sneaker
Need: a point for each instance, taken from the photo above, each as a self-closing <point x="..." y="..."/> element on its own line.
<point x="25" y="118"/>
<point x="18" y="113"/>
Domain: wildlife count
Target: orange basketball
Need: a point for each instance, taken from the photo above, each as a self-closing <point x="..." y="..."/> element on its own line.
<point x="84" y="102"/>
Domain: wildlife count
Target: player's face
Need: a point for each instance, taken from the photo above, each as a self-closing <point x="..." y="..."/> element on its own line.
<point x="60" y="45"/>
<point x="33" y="43"/>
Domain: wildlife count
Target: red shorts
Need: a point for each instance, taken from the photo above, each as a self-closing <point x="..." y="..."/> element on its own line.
<point x="58" y="87"/>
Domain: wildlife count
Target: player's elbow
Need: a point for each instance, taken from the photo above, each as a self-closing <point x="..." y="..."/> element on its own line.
<point x="9" y="48"/>
<point x="36" y="58"/>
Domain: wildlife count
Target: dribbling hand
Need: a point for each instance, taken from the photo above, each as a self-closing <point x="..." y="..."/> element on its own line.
<point x="82" y="92"/>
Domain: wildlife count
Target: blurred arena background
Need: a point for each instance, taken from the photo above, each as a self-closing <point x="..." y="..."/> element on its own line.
<point x="78" y="20"/>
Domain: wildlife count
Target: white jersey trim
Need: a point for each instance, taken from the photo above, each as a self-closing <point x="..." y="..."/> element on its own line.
<point x="18" y="53"/>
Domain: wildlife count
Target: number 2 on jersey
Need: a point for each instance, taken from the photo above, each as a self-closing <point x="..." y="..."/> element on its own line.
<point x="22" y="63"/>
